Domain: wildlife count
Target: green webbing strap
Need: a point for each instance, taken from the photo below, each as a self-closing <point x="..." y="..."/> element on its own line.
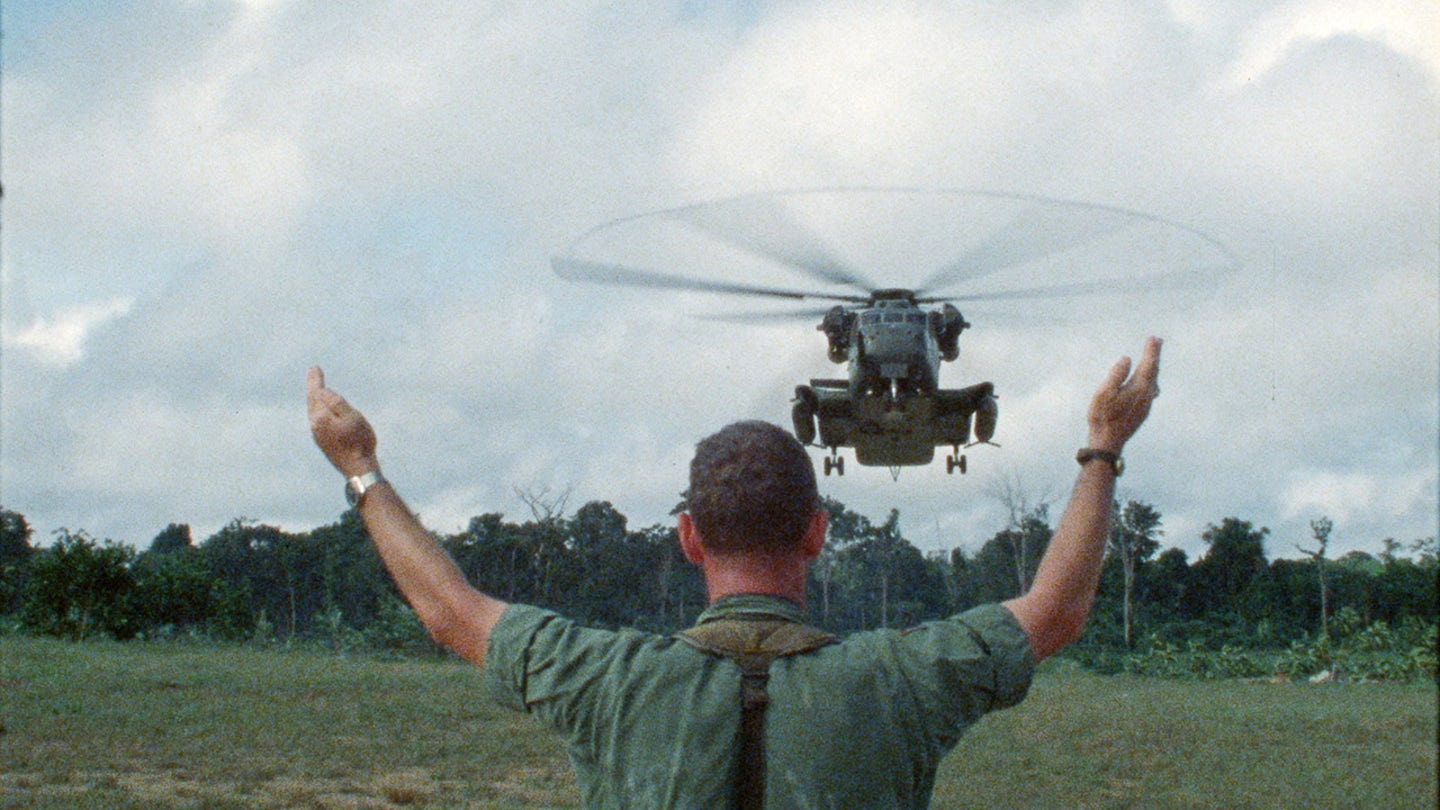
<point x="752" y="644"/>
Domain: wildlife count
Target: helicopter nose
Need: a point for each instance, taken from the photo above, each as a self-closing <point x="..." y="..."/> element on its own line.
<point x="894" y="344"/>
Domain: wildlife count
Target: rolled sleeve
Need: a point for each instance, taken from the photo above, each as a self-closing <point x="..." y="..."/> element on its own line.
<point x="508" y="650"/>
<point x="1008" y="650"/>
<point x="964" y="667"/>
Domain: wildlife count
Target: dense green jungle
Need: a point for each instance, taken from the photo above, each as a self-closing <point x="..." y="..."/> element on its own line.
<point x="1231" y="612"/>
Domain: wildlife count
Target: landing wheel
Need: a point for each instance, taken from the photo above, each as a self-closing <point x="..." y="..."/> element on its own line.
<point x="836" y="463"/>
<point x="953" y="463"/>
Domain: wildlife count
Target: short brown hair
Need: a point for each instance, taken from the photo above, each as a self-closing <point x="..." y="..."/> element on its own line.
<point x="752" y="488"/>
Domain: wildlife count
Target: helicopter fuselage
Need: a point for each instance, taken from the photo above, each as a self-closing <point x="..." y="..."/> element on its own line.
<point x="891" y="408"/>
<point x="894" y="349"/>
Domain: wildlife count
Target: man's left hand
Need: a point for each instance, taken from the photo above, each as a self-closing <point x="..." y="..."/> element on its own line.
<point x="1123" y="400"/>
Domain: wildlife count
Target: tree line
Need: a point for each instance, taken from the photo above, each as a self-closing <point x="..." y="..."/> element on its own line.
<point x="1233" y="609"/>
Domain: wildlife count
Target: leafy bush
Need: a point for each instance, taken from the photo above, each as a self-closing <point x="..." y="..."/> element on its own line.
<point x="1359" y="651"/>
<point x="396" y="630"/>
<point x="329" y="628"/>
<point x="1165" y="660"/>
<point x="81" y="588"/>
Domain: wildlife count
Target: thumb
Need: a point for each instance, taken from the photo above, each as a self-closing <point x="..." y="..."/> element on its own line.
<point x="315" y="378"/>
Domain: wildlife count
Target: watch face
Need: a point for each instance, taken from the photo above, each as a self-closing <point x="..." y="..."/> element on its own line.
<point x="352" y="492"/>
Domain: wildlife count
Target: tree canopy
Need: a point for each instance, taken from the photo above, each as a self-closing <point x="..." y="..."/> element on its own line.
<point x="250" y="580"/>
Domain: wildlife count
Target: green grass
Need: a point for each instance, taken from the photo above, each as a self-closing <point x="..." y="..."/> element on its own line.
<point x="1085" y="741"/>
<point x="131" y="725"/>
<point x="109" y="725"/>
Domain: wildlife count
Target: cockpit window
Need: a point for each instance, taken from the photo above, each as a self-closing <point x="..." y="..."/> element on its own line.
<point x="870" y="318"/>
<point x="894" y="317"/>
<point x="915" y="317"/>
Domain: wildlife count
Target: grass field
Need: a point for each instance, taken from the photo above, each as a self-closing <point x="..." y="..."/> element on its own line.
<point x="106" y="725"/>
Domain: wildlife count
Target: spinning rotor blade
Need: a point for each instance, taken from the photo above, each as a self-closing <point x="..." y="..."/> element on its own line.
<point x="581" y="270"/>
<point x="1179" y="279"/>
<point x="761" y="227"/>
<point x="1034" y="233"/>
<point x="787" y="316"/>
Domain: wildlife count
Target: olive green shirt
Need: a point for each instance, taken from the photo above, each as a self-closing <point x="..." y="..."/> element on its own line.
<point x="651" y="722"/>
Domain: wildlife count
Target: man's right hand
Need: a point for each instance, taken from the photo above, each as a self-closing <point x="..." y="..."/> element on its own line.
<point x="456" y="614"/>
<point x="342" y="432"/>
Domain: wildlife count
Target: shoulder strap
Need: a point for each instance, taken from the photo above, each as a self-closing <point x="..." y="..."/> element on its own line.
<point x="752" y="645"/>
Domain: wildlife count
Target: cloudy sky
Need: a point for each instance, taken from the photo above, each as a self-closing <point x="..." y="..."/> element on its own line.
<point x="204" y="197"/>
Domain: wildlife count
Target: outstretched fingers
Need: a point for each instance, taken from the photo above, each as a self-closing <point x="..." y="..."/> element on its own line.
<point x="1124" y="398"/>
<point x="1148" y="372"/>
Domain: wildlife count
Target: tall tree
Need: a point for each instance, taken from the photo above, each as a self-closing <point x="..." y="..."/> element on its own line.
<point x="845" y="529"/>
<point x="1233" y="565"/>
<point x="1016" y="550"/>
<point x="610" y="574"/>
<point x="878" y="555"/>
<point x="79" y="587"/>
<point x="1408" y="585"/>
<point x="544" y="539"/>
<point x="273" y="573"/>
<point x="175" y="537"/>
<point x="173" y="588"/>
<point x="960" y="582"/>
<point x="15" y="554"/>
<point x="1164" y="589"/>
<point x="1026" y="512"/>
<point x="680" y="595"/>
<point x="1133" y="539"/>
<point x="1321" y="529"/>
<point x="351" y="574"/>
<point x="492" y="558"/>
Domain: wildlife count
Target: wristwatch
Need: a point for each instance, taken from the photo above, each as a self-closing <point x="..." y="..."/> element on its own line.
<point x="355" y="488"/>
<point x="1089" y="454"/>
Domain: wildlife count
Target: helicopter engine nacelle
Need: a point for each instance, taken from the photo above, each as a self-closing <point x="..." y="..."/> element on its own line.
<point x="838" y="326"/>
<point x="987" y="411"/>
<point x="947" y="324"/>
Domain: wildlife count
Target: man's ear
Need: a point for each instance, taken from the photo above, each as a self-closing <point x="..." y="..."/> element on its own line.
<point x="814" y="539"/>
<point x="690" y="544"/>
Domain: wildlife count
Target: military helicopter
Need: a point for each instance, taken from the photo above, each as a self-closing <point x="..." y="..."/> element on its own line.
<point x="890" y="408"/>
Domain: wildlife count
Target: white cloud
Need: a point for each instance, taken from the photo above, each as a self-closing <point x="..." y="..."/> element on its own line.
<point x="854" y="90"/>
<point x="1360" y="503"/>
<point x="1410" y="27"/>
<point x="1338" y="495"/>
<point x="60" y="340"/>
<point x="378" y="192"/>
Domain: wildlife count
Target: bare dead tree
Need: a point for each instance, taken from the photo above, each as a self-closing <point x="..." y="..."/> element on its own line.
<point x="1020" y="504"/>
<point x="544" y="545"/>
<point x="1321" y="529"/>
<point x="1133" y="532"/>
<point x="543" y="506"/>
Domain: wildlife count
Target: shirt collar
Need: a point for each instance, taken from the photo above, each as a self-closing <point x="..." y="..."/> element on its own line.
<point x="753" y="606"/>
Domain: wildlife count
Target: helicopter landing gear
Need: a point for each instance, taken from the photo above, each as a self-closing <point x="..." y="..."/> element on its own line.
<point x="955" y="461"/>
<point x="835" y="462"/>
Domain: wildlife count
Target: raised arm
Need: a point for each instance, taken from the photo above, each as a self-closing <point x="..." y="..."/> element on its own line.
<point x="455" y="614"/>
<point x="1054" y="610"/>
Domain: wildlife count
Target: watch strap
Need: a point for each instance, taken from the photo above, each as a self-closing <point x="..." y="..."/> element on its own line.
<point x="355" y="488"/>
<point x="1114" y="460"/>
